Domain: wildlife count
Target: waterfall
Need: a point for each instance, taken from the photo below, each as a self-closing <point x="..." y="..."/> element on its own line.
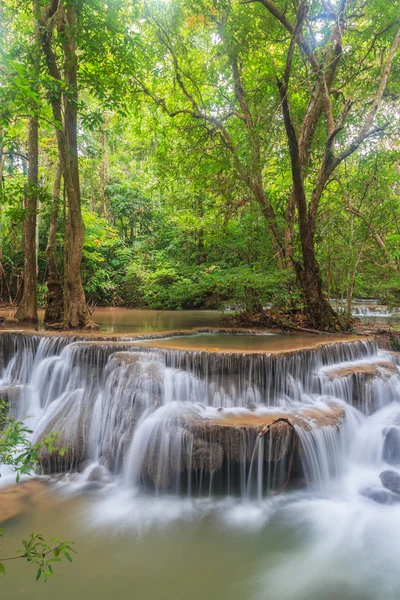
<point x="196" y="422"/>
<point x="374" y="311"/>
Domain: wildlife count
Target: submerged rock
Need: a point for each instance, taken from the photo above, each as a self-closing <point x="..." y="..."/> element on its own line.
<point x="381" y="496"/>
<point x="99" y="474"/>
<point x="11" y="394"/>
<point x="17" y="499"/>
<point x="391" y="481"/>
<point x="83" y="465"/>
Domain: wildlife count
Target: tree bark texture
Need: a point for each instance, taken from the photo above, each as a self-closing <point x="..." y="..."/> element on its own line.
<point x="76" y="312"/>
<point x="54" y="312"/>
<point x="27" y="309"/>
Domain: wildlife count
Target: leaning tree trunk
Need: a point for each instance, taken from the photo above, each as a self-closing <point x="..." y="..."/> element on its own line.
<point x="54" y="313"/>
<point x="27" y="310"/>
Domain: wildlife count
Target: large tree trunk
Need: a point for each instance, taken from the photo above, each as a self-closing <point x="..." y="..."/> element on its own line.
<point x="321" y="314"/>
<point x="27" y="310"/>
<point x="54" y="312"/>
<point x="2" y="160"/>
<point x="78" y="314"/>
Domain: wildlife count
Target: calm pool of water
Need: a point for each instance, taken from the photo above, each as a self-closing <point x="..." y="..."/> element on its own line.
<point x="296" y="547"/>
<point x="226" y="342"/>
<point x="125" y="320"/>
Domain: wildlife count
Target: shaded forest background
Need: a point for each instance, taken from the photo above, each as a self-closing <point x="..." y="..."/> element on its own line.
<point x="184" y="117"/>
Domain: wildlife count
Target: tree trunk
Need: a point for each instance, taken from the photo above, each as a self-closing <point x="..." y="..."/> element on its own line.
<point x="2" y="161"/>
<point x="78" y="314"/>
<point x="104" y="169"/>
<point x="321" y="314"/>
<point x="290" y="218"/>
<point x="27" y="310"/>
<point x="54" y="312"/>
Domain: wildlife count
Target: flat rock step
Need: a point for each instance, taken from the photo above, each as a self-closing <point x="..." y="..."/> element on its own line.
<point x="215" y="445"/>
<point x="306" y="418"/>
<point x="380" y="368"/>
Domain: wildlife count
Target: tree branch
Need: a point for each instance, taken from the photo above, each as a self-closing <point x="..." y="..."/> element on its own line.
<point x="301" y="40"/>
<point x="381" y="244"/>
<point x="366" y="130"/>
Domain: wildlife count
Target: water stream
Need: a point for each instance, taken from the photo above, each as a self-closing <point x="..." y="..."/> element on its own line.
<point x="219" y="474"/>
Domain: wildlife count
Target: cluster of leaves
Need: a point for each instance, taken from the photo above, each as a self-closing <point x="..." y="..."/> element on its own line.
<point x="21" y="456"/>
<point x="38" y="552"/>
<point x="16" y="450"/>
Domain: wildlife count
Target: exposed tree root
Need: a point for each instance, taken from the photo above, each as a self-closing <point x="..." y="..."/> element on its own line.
<point x="285" y="321"/>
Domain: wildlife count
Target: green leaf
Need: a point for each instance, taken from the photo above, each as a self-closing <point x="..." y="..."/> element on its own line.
<point x="67" y="555"/>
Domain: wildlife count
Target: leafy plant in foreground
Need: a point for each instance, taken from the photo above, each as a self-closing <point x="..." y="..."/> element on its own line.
<point x="38" y="552"/>
<point x="21" y="456"/>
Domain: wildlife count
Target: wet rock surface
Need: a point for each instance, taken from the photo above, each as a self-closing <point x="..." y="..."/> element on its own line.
<point x="391" y="481"/>
<point x="100" y="474"/>
<point x="231" y="438"/>
<point x="379" y="368"/>
<point x="157" y="415"/>
<point x="381" y="496"/>
<point x="391" y="445"/>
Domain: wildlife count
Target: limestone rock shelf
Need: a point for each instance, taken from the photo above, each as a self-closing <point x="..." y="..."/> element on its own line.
<point x="200" y="420"/>
<point x="185" y="445"/>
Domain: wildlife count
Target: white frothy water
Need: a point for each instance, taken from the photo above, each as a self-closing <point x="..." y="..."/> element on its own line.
<point x="126" y="409"/>
<point x="133" y="411"/>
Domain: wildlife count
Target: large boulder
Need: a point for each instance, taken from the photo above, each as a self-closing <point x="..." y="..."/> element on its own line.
<point x="391" y="481"/>
<point x="99" y="474"/>
<point x="192" y="442"/>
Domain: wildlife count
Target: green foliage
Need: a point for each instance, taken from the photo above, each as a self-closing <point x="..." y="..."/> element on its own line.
<point x="16" y="451"/>
<point x="43" y="556"/>
<point x="170" y="217"/>
<point x="213" y="287"/>
<point x="21" y="456"/>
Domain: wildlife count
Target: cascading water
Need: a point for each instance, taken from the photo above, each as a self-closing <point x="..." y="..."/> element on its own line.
<point x="198" y="422"/>
<point x="375" y="311"/>
<point x="289" y="462"/>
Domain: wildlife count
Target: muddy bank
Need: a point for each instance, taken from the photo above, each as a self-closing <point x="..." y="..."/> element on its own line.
<point x="20" y="498"/>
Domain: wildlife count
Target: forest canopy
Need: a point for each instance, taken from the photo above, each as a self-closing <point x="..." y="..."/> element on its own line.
<point x="174" y="154"/>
